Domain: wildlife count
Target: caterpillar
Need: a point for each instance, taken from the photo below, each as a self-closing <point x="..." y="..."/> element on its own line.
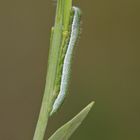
<point x="74" y="32"/>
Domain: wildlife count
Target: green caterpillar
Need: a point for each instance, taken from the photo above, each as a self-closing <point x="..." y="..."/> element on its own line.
<point x="68" y="42"/>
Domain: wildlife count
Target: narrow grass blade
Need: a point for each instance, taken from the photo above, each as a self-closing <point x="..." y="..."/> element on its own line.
<point x="68" y="129"/>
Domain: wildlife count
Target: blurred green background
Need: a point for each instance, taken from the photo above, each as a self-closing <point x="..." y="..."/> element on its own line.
<point x="106" y="69"/>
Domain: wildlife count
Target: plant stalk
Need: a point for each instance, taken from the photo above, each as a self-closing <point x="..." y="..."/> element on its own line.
<point x="61" y="21"/>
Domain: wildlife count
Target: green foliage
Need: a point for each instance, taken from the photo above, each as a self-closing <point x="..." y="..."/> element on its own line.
<point x="59" y="38"/>
<point x="69" y="128"/>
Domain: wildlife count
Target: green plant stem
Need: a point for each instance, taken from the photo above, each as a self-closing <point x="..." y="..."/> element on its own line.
<point x="63" y="6"/>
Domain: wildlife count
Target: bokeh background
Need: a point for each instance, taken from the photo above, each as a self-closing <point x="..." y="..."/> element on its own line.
<point x="106" y="69"/>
